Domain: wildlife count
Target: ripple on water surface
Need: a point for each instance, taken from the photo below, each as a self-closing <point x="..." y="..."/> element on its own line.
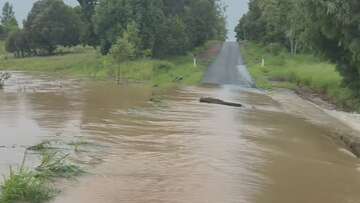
<point x="177" y="150"/>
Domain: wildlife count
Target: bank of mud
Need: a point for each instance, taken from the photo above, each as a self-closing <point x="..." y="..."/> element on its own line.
<point x="344" y="126"/>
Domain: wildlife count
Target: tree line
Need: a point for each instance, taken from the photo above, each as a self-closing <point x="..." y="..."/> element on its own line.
<point x="326" y="27"/>
<point x="155" y="28"/>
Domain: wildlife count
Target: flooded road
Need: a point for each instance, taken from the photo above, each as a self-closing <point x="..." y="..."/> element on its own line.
<point x="34" y="108"/>
<point x="179" y="150"/>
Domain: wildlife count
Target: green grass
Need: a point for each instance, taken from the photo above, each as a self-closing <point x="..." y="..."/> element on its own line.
<point x="286" y="71"/>
<point x="36" y="185"/>
<point x="25" y="186"/>
<point x="87" y="62"/>
<point x="72" y="63"/>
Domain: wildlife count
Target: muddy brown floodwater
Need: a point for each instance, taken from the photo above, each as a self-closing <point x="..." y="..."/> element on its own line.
<point x="180" y="150"/>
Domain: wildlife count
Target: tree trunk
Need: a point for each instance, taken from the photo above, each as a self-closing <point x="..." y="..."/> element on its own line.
<point x="291" y="46"/>
<point x="219" y="101"/>
<point x="118" y="75"/>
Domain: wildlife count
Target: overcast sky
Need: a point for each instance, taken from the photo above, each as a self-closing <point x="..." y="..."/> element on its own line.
<point x="22" y="7"/>
<point x="236" y="8"/>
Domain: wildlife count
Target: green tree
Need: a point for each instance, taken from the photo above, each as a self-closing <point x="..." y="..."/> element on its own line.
<point x="88" y="7"/>
<point x="173" y="39"/>
<point x="174" y="7"/>
<point x="51" y="23"/>
<point x="149" y="16"/>
<point x="3" y="33"/>
<point x="110" y="21"/>
<point x="295" y="26"/>
<point x="18" y="43"/>
<point x="132" y="34"/>
<point x="8" y="19"/>
<point x="334" y="31"/>
<point x="122" y="52"/>
<point x="274" y="21"/>
<point x="201" y="18"/>
<point x="88" y="35"/>
<point x="251" y="25"/>
<point x="10" y="44"/>
<point x="326" y="27"/>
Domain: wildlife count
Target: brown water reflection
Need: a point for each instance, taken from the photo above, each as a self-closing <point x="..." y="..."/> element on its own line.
<point x="181" y="150"/>
<point x="34" y="108"/>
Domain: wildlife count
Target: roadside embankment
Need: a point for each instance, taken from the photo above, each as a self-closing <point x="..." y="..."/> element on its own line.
<point x="312" y="79"/>
<point x="342" y="127"/>
<point x="306" y="74"/>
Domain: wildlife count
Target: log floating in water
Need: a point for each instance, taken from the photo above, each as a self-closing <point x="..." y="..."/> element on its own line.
<point x="219" y="101"/>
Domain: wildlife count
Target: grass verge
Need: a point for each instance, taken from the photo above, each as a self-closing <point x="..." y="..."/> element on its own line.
<point x="283" y="70"/>
<point x="87" y="62"/>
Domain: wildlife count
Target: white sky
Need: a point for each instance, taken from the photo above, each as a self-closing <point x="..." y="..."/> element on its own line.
<point x="236" y="8"/>
<point x="22" y="7"/>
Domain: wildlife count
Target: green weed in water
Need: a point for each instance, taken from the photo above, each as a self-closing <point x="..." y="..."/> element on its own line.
<point x="55" y="165"/>
<point x="35" y="186"/>
<point x="25" y="186"/>
<point x="41" y="146"/>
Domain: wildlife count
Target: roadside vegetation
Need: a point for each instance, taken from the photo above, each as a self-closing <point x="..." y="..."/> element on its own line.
<point x="304" y="43"/>
<point x="303" y="72"/>
<point x="24" y="185"/>
<point x="37" y="185"/>
<point x="124" y="40"/>
<point x="87" y="62"/>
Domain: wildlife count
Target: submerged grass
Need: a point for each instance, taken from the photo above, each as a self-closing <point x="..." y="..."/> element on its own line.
<point x="303" y="70"/>
<point x="36" y="186"/>
<point x="25" y="186"/>
<point x="55" y="165"/>
<point x="41" y="146"/>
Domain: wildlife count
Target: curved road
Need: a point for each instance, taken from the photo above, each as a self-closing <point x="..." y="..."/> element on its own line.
<point x="229" y="68"/>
